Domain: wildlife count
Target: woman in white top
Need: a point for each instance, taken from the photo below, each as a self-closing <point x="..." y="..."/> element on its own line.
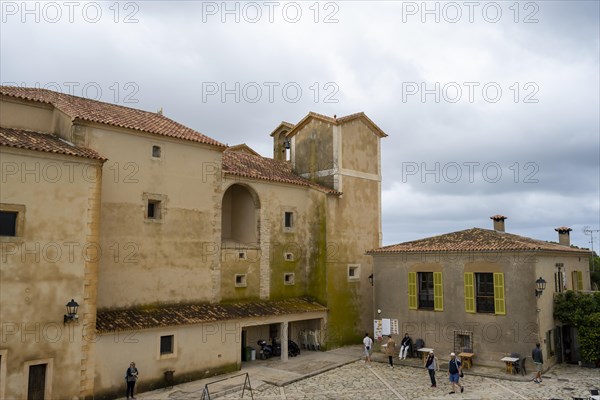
<point x="368" y="344"/>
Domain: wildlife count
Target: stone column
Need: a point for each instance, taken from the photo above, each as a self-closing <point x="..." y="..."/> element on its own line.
<point x="284" y="341"/>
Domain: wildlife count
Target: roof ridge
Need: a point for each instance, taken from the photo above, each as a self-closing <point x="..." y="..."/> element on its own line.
<point x="86" y="99"/>
<point x="111" y="114"/>
<point x="474" y="239"/>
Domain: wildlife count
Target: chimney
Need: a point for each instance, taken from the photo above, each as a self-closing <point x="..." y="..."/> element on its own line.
<point x="563" y="235"/>
<point x="498" y="222"/>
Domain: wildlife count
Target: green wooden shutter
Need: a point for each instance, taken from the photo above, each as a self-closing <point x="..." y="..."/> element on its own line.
<point x="438" y="292"/>
<point x="579" y="280"/>
<point x="499" y="306"/>
<point x="412" y="290"/>
<point x="469" y="293"/>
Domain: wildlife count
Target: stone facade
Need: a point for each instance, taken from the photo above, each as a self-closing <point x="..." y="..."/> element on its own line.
<point x="477" y="289"/>
<point x="171" y="218"/>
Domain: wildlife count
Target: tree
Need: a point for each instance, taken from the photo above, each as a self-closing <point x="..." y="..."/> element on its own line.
<point x="589" y="339"/>
<point x="582" y="311"/>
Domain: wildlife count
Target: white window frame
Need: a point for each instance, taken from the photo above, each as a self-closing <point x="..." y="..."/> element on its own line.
<point x="356" y="275"/>
<point x="294" y="214"/>
<point x="162" y="211"/>
<point x="49" y="376"/>
<point x="244" y="280"/>
<point x="291" y="281"/>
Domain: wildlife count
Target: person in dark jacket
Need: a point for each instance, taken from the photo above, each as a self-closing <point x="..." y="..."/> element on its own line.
<point x="404" y="346"/>
<point x="432" y="365"/>
<point x="538" y="360"/>
<point x="131" y="376"/>
<point x="454" y="370"/>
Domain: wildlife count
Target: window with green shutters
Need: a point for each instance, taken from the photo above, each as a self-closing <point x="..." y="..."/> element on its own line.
<point x="438" y="292"/>
<point x="484" y="293"/>
<point x="469" y="292"/>
<point x="499" y="305"/>
<point x="425" y="291"/>
<point x="412" y="290"/>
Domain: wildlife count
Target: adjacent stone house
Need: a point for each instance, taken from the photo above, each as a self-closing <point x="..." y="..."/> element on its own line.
<point x="476" y="289"/>
<point x="180" y="250"/>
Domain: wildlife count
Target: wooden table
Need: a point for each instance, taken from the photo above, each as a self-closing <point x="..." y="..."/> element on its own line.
<point x="509" y="361"/>
<point x="466" y="359"/>
<point x="425" y="351"/>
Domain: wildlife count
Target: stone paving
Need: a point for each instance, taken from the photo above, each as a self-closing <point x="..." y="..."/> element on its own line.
<point x="378" y="381"/>
<point x="342" y="377"/>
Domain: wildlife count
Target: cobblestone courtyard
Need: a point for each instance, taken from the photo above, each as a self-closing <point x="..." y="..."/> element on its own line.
<point x="378" y="381"/>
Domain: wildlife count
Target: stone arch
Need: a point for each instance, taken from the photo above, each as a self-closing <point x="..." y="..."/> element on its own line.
<point x="240" y="220"/>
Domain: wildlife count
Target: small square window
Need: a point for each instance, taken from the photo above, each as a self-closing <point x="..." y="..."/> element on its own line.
<point x="288" y="256"/>
<point x="288" y="219"/>
<point x="156" y="151"/>
<point x="240" y="280"/>
<point x="153" y="210"/>
<point x="242" y="255"/>
<point x="155" y="207"/>
<point x="353" y="272"/>
<point x="166" y="344"/>
<point x="289" y="278"/>
<point x="8" y="223"/>
<point x="12" y="222"/>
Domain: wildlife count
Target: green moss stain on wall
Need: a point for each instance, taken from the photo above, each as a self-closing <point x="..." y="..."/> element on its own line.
<point x="280" y="266"/>
<point x="230" y="268"/>
<point x="343" y="303"/>
<point x="317" y="256"/>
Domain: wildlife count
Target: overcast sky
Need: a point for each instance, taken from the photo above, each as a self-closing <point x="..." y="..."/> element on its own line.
<point x="490" y="107"/>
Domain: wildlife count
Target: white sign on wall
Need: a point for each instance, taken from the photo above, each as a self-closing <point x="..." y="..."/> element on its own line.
<point x="386" y="327"/>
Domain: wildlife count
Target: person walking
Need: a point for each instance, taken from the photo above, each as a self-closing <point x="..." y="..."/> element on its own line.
<point x="454" y="372"/>
<point x="432" y="366"/>
<point x="538" y="360"/>
<point x="390" y="350"/>
<point x="368" y="345"/>
<point x="131" y="376"/>
<point x="404" y="346"/>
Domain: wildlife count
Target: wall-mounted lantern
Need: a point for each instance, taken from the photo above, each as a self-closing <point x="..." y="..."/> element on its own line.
<point x="540" y="285"/>
<point x="371" y="279"/>
<point x="71" y="314"/>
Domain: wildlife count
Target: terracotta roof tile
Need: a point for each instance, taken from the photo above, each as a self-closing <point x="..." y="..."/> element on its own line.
<point x="189" y="314"/>
<point x="257" y="167"/>
<point x="110" y="114"/>
<point x="475" y="239"/>
<point x="43" y="142"/>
